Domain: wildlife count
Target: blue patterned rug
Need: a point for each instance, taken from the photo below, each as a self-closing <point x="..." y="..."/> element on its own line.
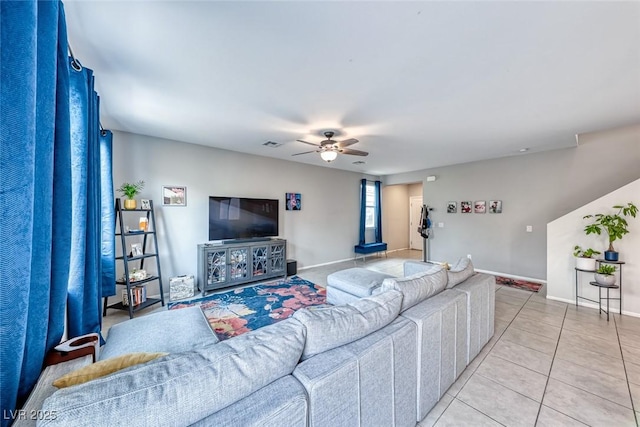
<point x="242" y="310"/>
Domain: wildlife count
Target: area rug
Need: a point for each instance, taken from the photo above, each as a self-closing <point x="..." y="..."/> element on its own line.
<point x="519" y="284"/>
<point x="242" y="310"/>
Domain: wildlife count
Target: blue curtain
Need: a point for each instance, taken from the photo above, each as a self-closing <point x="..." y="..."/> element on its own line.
<point x="92" y="269"/>
<point x="363" y="210"/>
<point x="378" y="200"/>
<point x="50" y="179"/>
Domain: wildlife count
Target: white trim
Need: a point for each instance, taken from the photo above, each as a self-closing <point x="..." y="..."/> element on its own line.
<point x="513" y="276"/>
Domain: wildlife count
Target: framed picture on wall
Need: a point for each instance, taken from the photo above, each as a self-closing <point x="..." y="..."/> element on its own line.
<point x="294" y="201"/>
<point x="452" y="207"/>
<point x="466" y="207"/>
<point x="174" y="195"/>
<point x="479" y="206"/>
<point x="495" y="206"/>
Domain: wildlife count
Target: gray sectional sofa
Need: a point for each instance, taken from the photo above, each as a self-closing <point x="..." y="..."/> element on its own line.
<point x="383" y="360"/>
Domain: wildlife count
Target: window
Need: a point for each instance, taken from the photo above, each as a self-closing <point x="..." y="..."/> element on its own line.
<point x="370" y="206"/>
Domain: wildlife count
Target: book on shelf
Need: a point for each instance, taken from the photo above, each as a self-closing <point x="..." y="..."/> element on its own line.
<point x="138" y="294"/>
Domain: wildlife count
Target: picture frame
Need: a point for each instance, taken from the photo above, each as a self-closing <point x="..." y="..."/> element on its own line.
<point x="495" y="206"/>
<point x="480" y="206"/>
<point x="174" y="195"/>
<point x="145" y="204"/>
<point x="136" y="249"/>
<point x="466" y="207"/>
<point x="293" y="201"/>
<point x="452" y="207"/>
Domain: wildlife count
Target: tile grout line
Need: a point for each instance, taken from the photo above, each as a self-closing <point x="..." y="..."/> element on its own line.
<point x="624" y="365"/>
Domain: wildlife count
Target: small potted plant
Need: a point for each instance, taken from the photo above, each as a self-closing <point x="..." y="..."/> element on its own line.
<point x="604" y="275"/>
<point x="615" y="225"/>
<point x="584" y="258"/>
<point x="130" y="191"/>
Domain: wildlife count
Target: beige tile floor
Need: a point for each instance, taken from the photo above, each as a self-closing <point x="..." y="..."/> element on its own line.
<point x="548" y="364"/>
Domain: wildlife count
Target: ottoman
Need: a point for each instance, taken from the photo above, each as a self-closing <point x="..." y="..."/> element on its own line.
<point x="352" y="284"/>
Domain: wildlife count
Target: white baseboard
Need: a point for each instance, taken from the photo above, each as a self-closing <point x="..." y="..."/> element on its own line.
<point x="513" y="276"/>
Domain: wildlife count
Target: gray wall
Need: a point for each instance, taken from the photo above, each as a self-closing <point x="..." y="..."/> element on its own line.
<point x="325" y="230"/>
<point x="534" y="188"/>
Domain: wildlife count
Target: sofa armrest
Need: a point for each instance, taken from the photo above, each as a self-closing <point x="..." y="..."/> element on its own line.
<point x="32" y="409"/>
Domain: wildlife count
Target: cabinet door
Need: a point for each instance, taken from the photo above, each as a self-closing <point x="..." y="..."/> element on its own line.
<point x="259" y="260"/>
<point x="216" y="266"/>
<point x="277" y="258"/>
<point x="238" y="264"/>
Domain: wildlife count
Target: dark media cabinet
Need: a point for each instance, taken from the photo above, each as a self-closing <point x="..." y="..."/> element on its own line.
<point x="234" y="262"/>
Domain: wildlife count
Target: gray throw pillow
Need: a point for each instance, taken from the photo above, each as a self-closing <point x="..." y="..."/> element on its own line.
<point x="418" y="287"/>
<point x="182" y="388"/>
<point x="171" y="331"/>
<point x="461" y="271"/>
<point x="331" y="327"/>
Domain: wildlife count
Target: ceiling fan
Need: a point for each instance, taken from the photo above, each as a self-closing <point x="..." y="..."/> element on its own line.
<point x="329" y="148"/>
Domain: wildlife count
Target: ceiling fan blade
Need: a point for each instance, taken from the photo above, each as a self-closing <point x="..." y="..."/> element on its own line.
<point x="346" y="142"/>
<point x="305" y="142"/>
<point x="306" y="152"/>
<point x="353" y="152"/>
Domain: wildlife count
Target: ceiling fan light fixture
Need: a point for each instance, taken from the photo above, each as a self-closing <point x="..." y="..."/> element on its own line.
<point x="329" y="156"/>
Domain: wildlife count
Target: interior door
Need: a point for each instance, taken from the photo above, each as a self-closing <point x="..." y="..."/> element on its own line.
<point x="415" y="208"/>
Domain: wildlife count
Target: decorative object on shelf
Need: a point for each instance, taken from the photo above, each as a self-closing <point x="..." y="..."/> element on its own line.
<point x="480" y="206"/>
<point x="129" y="191"/>
<point x="465" y="207"/>
<point x="174" y="195"/>
<point x="495" y="206"/>
<point x="604" y="275"/>
<point x="452" y="207"/>
<point x="294" y="202"/>
<point x="181" y="287"/>
<point x="145" y="204"/>
<point x="136" y="274"/>
<point x="615" y="225"/>
<point x="136" y="249"/>
<point x="584" y="258"/>
<point x="143" y="223"/>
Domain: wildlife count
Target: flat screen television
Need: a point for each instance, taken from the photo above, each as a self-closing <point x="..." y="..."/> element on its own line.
<point x="242" y="218"/>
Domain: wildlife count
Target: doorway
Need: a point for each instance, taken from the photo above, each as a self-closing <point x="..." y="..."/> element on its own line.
<point x="415" y="210"/>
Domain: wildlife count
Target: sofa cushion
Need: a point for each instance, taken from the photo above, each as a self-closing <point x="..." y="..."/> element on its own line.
<point x="418" y="287"/>
<point x="356" y="281"/>
<point x="332" y="327"/>
<point x="459" y="272"/>
<point x="182" y="388"/>
<point x="171" y="331"/>
<point x="103" y="368"/>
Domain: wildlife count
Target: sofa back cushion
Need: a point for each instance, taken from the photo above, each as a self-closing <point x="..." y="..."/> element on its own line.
<point x="182" y="388"/>
<point x="418" y="287"/>
<point x="331" y="327"/>
<point x="459" y="272"/>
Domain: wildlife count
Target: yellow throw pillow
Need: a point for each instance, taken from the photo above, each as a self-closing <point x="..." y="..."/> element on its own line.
<point x="104" y="368"/>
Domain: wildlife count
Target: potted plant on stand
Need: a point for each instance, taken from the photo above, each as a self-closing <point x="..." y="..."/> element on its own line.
<point x="130" y="191"/>
<point x="604" y="275"/>
<point x="584" y="258"/>
<point x="615" y="225"/>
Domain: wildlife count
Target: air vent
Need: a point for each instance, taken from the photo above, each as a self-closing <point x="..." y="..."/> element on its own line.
<point x="359" y="162"/>
<point x="271" y="144"/>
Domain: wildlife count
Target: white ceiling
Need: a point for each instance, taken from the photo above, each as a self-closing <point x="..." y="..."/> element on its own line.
<point x="420" y="84"/>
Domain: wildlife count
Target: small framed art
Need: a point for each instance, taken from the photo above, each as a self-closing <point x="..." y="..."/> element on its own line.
<point x="145" y="204"/>
<point x="294" y="201"/>
<point x="495" y="206"/>
<point x="136" y="249"/>
<point x="479" y="206"/>
<point x="452" y="207"/>
<point x="466" y="207"/>
<point x="174" y="195"/>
